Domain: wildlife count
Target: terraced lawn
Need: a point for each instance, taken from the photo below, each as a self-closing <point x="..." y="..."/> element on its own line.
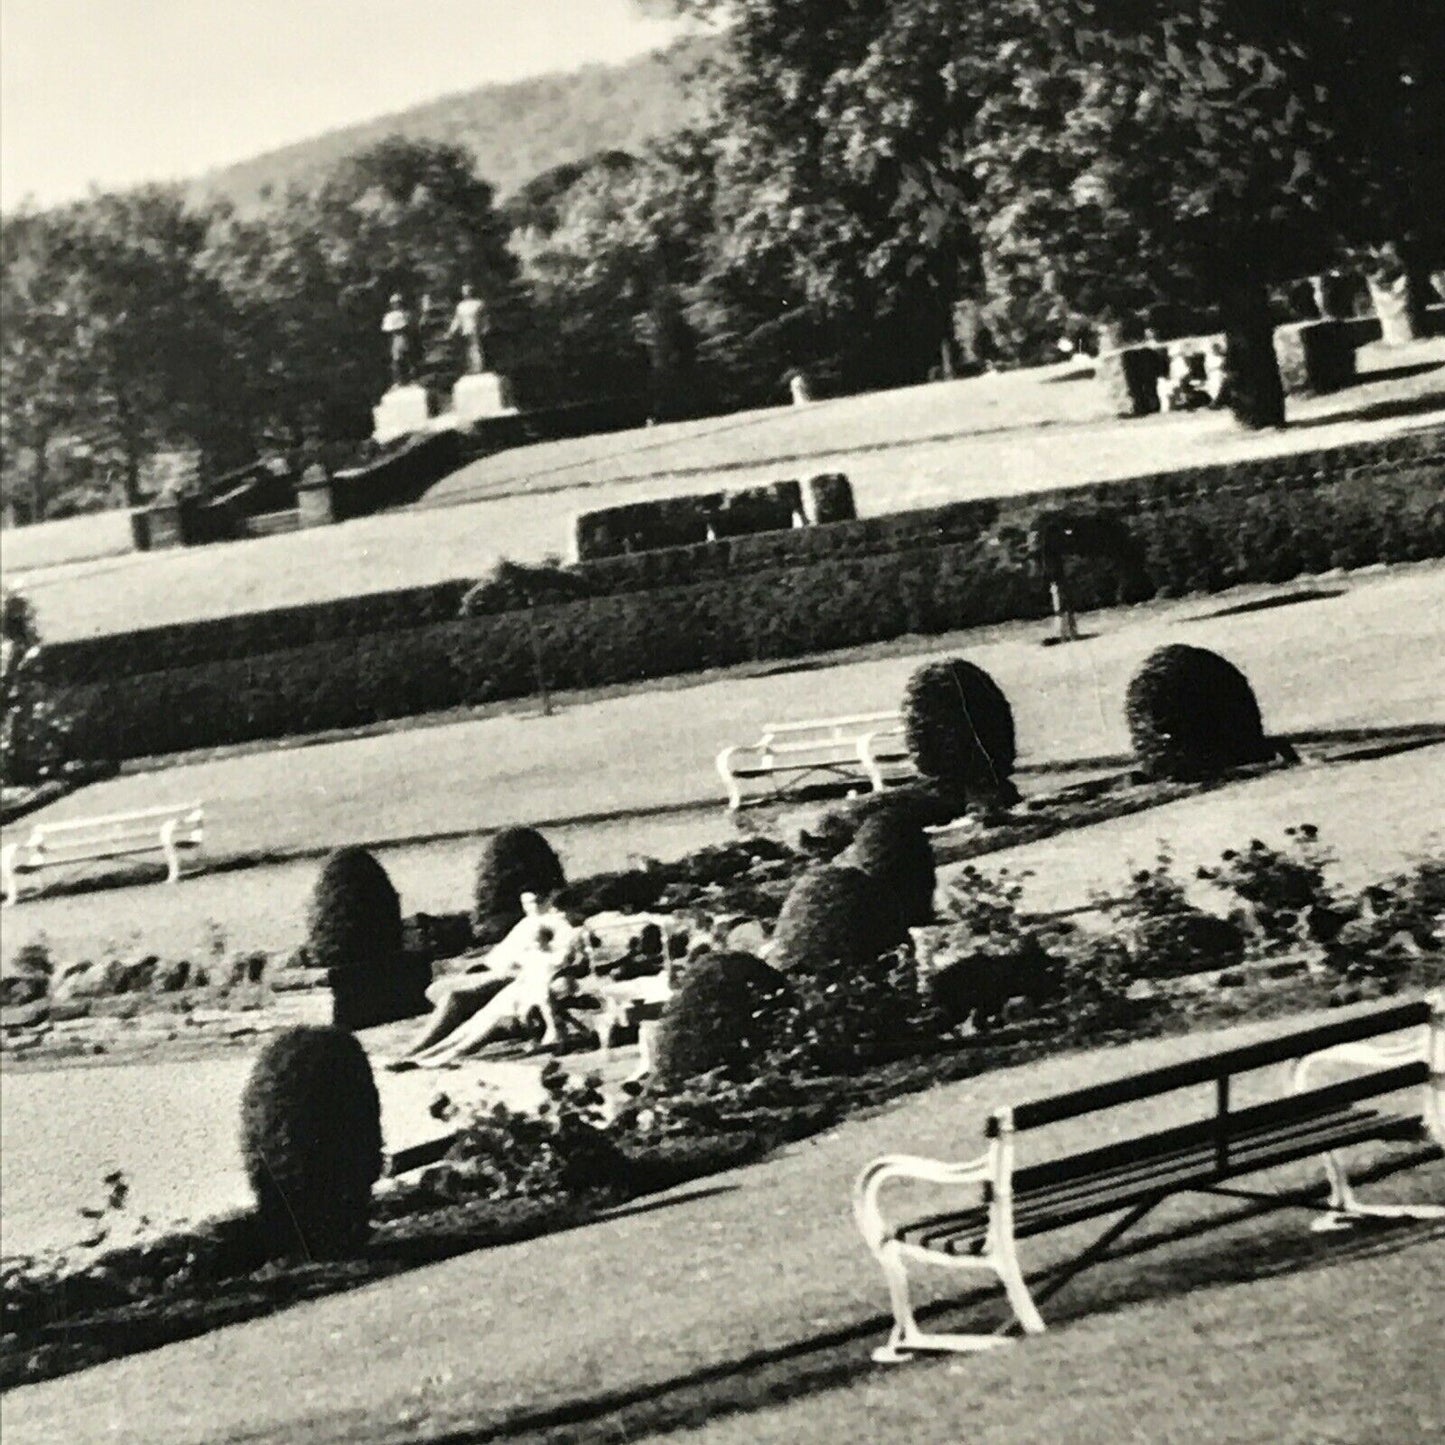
<point x="990" y="436"/>
<point x="1360" y="652"/>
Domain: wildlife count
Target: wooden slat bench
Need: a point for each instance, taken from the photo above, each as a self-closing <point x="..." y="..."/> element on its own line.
<point x="1130" y="1177"/>
<point x="868" y="746"/>
<point x="164" y="830"/>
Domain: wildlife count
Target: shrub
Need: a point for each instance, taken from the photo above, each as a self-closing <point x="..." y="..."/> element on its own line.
<point x="833" y="915"/>
<point x="836" y="827"/>
<point x="561" y="1149"/>
<point x="960" y="730"/>
<point x="1193" y="715"/>
<point x="514" y="861"/>
<point x="311" y="1141"/>
<point x="355" y="933"/>
<point x="981" y="984"/>
<point x="894" y="851"/>
<point x="1167" y="935"/>
<point x="1284" y="890"/>
<point x="830" y="498"/>
<point x="727" y="1014"/>
<point x="354" y="917"/>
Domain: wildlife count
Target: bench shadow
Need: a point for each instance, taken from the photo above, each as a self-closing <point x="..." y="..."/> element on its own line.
<point x="766" y="1378"/>
<point x="1376" y="411"/>
<point x="1397" y="373"/>
<point x="1264" y="604"/>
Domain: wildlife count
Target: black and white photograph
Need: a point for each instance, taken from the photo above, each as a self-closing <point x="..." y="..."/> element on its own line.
<point x="722" y="721"/>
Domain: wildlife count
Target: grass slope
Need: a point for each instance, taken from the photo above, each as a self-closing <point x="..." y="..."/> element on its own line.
<point x="1005" y="434"/>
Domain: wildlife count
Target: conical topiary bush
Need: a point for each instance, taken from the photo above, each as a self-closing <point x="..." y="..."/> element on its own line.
<point x="1192" y="714"/>
<point x="960" y="731"/>
<point x="514" y="861"/>
<point x="311" y="1142"/>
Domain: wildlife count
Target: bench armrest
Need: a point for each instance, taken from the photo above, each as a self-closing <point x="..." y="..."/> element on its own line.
<point x="1370" y="1052"/>
<point x="725" y="761"/>
<point x="868" y="752"/>
<point x="890" y="1167"/>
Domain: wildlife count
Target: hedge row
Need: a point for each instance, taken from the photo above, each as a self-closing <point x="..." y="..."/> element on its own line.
<point x="246" y="634"/>
<point x="1199" y="543"/>
<point x="685" y="521"/>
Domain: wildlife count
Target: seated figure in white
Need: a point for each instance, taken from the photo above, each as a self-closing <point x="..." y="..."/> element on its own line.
<point x="474" y="1009"/>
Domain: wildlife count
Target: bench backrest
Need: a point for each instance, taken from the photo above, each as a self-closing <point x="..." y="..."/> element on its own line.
<point x="1219" y="1066"/>
<point x="830" y="729"/>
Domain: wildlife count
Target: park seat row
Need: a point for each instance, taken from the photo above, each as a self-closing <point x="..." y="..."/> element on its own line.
<point x="1402" y="1047"/>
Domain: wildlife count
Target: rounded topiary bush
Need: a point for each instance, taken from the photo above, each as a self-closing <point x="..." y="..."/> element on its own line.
<point x="960" y="731"/>
<point x="894" y="851"/>
<point x="354" y="919"/>
<point x="834" y="915"/>
<point x="356" y="934"/>
<point x="729" y="1010"/>
<point x="514" y="861"/>
<point x="311" y="1141"/>
<point x="1192" y="714"/>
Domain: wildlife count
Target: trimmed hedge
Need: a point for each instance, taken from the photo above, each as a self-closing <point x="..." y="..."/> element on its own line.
<point x="774" y="595"/>
<point x="892" y="849"/>
<point x="1192" y="714"/>
<point x="685" y="521"/>
<point x="513" y="861"/>
<point x="835" y="915"/>
<point x="960" y="731"/>
<point x="311" y="1142"/>
<point x="728" y="1011"/>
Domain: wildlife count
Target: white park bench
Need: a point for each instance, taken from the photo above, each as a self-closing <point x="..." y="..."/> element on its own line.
<point x="148" y="830"/>
<point x="866" y="745"/>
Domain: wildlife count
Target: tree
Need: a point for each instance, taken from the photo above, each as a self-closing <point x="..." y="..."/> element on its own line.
<point x="613" y="258"/>
<point x="42" y="376"/>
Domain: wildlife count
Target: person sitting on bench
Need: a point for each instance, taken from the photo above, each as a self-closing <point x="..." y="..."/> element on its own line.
<point x="475" y="1009"/>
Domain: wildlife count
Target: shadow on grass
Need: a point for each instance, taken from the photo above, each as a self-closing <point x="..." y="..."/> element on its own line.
<point x="766" y="1378"/>
<point x="1264" y="604"/>
<point x="1377" y="411"/>
<point x="1397" y="373"/>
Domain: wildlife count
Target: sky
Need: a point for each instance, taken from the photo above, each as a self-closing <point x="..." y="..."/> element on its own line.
<point x="115" y="92"/>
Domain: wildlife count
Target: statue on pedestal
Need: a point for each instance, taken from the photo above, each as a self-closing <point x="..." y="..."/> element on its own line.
<point x="468" y="322"/>
<point x="396" y="327"/>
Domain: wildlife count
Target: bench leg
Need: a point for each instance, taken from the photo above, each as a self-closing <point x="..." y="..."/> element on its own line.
<point x="10" y="874"/>
<point x="907" y="1339"/>
<point x="1345" y="1209"/>
<point x="173" y="854"/>
<point x="725" y="772"/>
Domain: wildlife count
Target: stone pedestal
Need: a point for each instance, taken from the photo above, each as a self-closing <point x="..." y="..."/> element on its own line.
<point x="1314" y="356"/>
<point x="313" y="498"/>
<point x="403" y="409"/>
<point x="1130" y="378"/>
<point x="482" y="394"/>
<point x="166" y="525"/>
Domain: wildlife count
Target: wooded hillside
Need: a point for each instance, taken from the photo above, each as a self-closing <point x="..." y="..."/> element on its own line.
<point x="516" y="131"/>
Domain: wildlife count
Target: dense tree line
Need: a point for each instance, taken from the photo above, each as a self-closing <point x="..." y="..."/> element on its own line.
<point x="862" y="182"/>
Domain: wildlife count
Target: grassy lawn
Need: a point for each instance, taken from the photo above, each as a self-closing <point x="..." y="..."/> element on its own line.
<point x="747" y="1303"/>
<point x="994" y="435"/>
<point x="653" y="749"/>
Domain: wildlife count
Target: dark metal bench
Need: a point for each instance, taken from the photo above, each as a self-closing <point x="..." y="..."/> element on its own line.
<point x="1130" y="1177"/>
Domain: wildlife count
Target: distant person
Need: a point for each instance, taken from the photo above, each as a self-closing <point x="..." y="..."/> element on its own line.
<point x="468" y="322"/>
<point x="396" y="327"/>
